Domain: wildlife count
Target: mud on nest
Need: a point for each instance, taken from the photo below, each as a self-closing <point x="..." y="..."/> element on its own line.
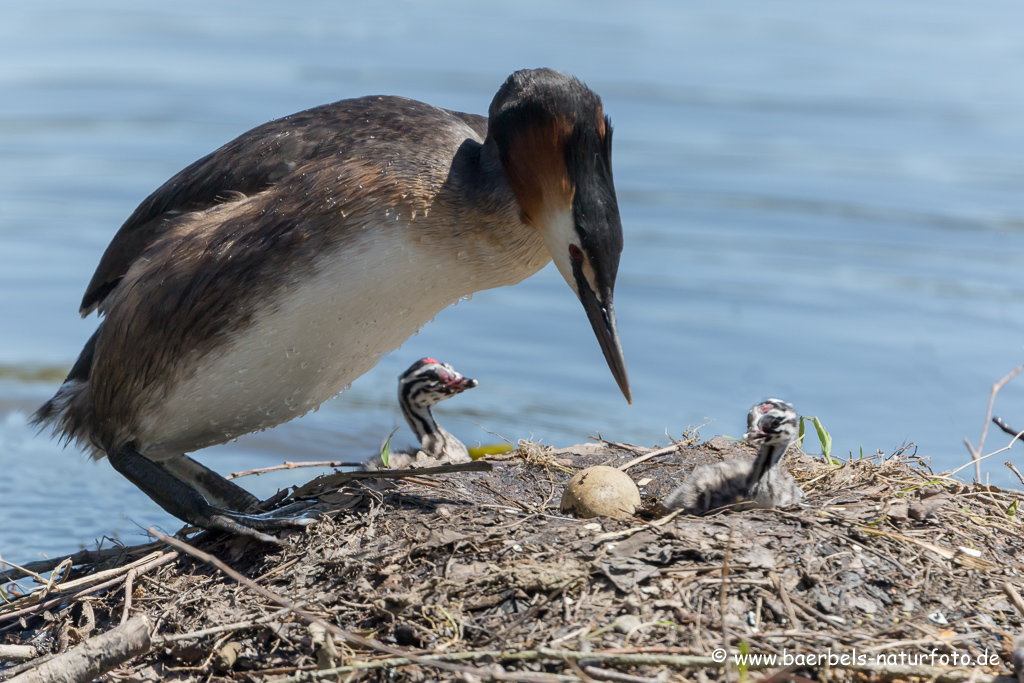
<point x="482" y="569"/>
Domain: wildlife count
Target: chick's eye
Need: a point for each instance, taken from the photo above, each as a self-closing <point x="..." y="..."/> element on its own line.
<point x="575" y="253"/>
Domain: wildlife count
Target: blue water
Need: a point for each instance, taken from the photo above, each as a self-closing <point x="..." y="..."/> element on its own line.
<point x="822" y="202"/>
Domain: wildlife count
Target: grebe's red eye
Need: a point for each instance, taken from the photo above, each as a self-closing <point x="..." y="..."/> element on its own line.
<point x="575" y="253"/>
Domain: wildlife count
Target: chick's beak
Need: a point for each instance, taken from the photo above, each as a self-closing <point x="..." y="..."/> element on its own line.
<point x="463" y="383"/>
<point x="755" y="436"/>
<point x="602" y="320"/>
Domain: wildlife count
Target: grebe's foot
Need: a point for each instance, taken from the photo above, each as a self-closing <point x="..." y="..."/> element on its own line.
<point x="228" y="524"/>
<point x="298" y="511"/>
<point x="186" y="503"/>
<point x="253" y="525"/>
<point x="216" y="489"/>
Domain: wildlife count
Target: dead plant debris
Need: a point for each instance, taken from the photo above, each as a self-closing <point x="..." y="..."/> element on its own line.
<point x="477" y="575"/>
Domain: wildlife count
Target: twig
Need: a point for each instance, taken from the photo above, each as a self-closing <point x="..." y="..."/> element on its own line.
<point x="988" y="417"/>
<point x="931" y="673"/>
<point x="812" y="612"/>
<point x="284" y="602"/>
<point x="647" y="456"/>
<point x="287" y="465"/>
<point x="1014" y="596"/>
<point x="341" y="478"/>
<point x="546" y="654"/>
<point x="79" y="558"/>
<point x="51" y="587"/>
<point x="992" y="399"/>
<point x="616" y="676"/>
<point x="975" y="459"/>
<point x="62" y="571"/>
<point x="612" y="535"/>
<point x="313" y="619"/>
<point x="984" y="457"/>
<point x="784" y="594"/>
<point x="156" y="562"/>
<point x="18" y="653"/>
<point x="723" y="592"/>
<point x="1015" y="470"/>
<point x="821" y="527"/>
<point x="957" y="555"/>
<point x="94" y="656"/>
<point x="934" y="640"/>
<point x="22" y="571"/>
<point x="938" y="674"/>
<point x="129" y="579"/>
<point x="214" y="630"/>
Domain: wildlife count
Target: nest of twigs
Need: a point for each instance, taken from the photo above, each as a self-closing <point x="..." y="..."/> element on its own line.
<point x="476" y="575"/>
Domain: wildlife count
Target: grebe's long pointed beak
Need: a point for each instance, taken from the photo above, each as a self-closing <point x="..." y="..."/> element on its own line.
<point x="555" y="146"/>
<point x="602" y="319"/>
<point x="588" y="260"/>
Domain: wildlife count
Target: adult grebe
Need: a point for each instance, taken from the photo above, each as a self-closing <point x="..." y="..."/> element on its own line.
<point x="262" y="279"/>
<point x="426" y="383"/>
<point x="761" y="483"/>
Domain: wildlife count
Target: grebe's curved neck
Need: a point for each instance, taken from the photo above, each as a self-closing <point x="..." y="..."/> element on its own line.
<point x="425" y="384"/>
<point x="775" y="424"/>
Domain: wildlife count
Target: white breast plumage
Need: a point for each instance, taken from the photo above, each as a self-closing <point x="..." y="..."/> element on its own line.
<point x="305" y="346"/>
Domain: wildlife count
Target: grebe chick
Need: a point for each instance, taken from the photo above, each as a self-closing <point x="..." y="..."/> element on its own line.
<point x="1017" y="653"/>
<point x="426" y="383"/>
<point x="759" y="483"/>
<point x="267" y="276"/>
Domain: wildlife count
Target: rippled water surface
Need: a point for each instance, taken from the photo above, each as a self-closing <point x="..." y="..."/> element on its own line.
<point x="822" y="202"/>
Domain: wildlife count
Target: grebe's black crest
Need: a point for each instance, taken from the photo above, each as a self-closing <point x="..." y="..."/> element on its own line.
<point x="546" y="115"/>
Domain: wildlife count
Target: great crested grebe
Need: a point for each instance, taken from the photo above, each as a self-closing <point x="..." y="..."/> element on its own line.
<point x="426" y="383"/>
<point x="760" y="483"/>
<point x="262" y="279"/>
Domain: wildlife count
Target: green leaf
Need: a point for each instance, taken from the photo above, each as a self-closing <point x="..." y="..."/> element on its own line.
<point x="861" y="452"/>
<point x="385" y="452"/>
<point x="825" y="438"/>
<point x="1012" y="510"/>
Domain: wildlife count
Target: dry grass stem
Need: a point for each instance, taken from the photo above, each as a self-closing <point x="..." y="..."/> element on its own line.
<point x="975" y="453"/>
<point x="289" y="465"/>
